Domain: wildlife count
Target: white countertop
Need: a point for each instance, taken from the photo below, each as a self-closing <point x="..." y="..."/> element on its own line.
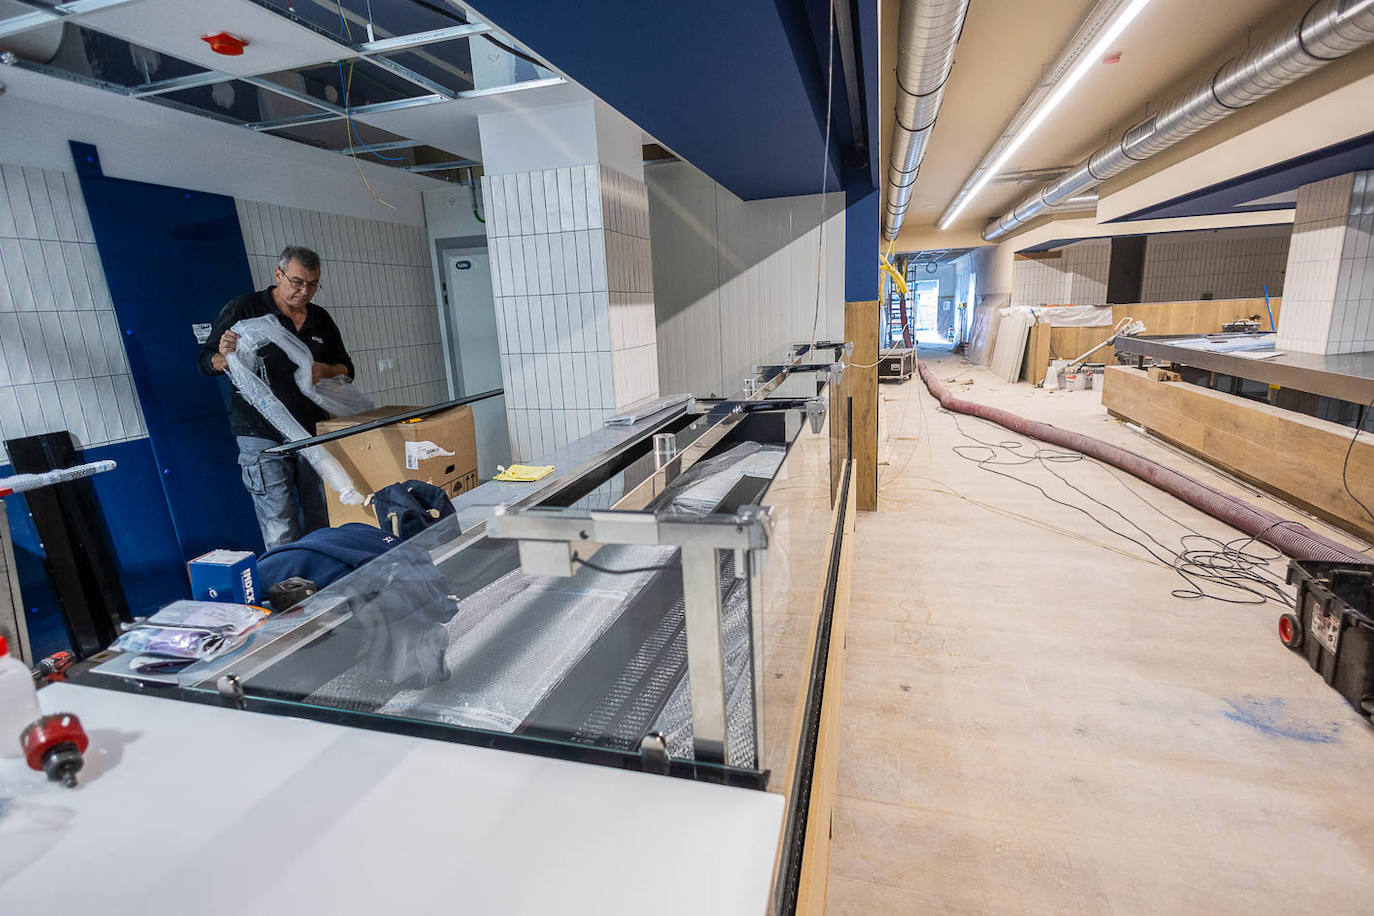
<point x="184" y="808"/>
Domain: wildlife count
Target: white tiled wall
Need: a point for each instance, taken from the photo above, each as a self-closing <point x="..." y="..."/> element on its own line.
<point x="1077" y="277"/>
<point x="1328" y="306"/>
<point x="1221" y="264"/>
<point x="573" y="285"/>
<point x="1352" y="312"/>
<point x="377" y="284"/>
<point x="736" y="280"/>
<point x="1185" y="266"/>
<point x="630" y="281"/>
<point x="62" y="365"/>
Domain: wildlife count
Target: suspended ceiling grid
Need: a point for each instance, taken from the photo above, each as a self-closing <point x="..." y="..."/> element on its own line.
<point x="385" y="81"/>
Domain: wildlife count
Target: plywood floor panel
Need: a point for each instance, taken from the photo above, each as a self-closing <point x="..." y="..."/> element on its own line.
<point x="1034" y="724"/>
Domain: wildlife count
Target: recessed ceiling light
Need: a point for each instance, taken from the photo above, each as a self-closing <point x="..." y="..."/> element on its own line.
<point x="1057" y="95"/>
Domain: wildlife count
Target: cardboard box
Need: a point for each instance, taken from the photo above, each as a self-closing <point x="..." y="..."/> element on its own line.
<point x="225" y="575"/>
<point x="440" y="449"/>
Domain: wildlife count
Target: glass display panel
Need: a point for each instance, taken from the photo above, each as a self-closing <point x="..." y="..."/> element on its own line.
<point x="87" y="54"/>
<point x="353" y="83"/>
<point x="237" y="101"/>
<point x="388" y="19"/>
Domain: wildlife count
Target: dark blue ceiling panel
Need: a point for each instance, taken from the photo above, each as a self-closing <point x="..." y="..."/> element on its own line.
<point x="1234" y="195"/>
<point x="736" y="87"/>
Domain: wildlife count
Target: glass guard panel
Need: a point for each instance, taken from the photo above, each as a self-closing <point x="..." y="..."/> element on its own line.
<point x="446" y="631"/>
<point x="388" y="19"/>
<point x="90" y="55"/>
<point x="447" y="63"/>
<point x="340" y="134"/>
<point x="238" y="102"/>
<point x="465" y="638"/>
<point x="352" y="83"/>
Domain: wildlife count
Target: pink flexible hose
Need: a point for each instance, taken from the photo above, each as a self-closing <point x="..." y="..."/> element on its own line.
<point x="1293" y="538"/>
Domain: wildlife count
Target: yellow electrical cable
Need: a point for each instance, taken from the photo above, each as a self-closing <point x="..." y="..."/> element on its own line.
<point x="348" y="122"/>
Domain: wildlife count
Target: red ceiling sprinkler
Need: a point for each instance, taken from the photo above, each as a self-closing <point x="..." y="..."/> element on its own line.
<point x="224" y="43"/>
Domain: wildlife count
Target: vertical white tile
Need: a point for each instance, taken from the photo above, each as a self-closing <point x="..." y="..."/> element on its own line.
<point x="39" y="199"/>
<point x="15" y="352"/>
<point x="593" y="180"/>
<point x="37" y="267"/>
<point x="69" y="401"/>
<point x="544" y="263"/>
<point x="7" y="227"/>
<point x="63" y="298"/>
<point x="21" y="210"/>
<point x="92" y="412"/>
<point x="11" y="421"/>
<point x="55" y="343"/>
<point x="566" y="218"/>
<point x="552" y="217"/>
<point x="597" y="259"/>
<point x="579" y="198"/>
<point x="539" y="213"/>
<point x="74" y="263"/>
<point x="61" y="206"/>
<point x="16" y="275"/>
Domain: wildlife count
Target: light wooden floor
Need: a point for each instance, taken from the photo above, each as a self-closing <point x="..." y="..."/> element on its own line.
<point x="1032" y="724"/>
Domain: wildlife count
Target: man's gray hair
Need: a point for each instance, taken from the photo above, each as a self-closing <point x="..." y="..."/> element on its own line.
<point x="301" y="255"/>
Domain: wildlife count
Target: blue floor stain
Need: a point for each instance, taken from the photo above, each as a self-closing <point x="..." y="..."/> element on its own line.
<point x="1269" y="716"/>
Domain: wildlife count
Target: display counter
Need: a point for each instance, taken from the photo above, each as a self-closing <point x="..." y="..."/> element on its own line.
<point x="662" y="604"/>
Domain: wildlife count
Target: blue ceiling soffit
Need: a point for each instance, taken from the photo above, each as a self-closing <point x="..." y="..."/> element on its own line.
<point x="1048" y="246"/>
<point x="1234" y="195"/>
<point x="736" y="87"/>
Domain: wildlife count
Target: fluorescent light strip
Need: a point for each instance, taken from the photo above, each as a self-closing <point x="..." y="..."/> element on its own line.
<point x="1060" y="92"/>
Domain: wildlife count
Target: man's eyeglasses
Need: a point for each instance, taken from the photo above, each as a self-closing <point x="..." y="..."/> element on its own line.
<point x="297" y="284"/>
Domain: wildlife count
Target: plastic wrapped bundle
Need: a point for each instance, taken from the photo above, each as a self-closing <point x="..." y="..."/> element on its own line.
<point x="505" y="646"/>
<point x="22" y="483"/>
<point x="256" y="333"/>
<point x="706" y="484"/>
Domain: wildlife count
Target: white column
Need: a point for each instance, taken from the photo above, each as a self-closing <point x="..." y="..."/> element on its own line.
<point x="568" y="224"/>
<point x="1328" y="293"/>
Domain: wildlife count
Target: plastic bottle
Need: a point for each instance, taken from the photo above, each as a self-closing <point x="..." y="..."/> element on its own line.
<point x="18" y="701"/>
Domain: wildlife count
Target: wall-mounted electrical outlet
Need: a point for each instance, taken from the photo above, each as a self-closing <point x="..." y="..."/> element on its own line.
<point x="386" y="365"/>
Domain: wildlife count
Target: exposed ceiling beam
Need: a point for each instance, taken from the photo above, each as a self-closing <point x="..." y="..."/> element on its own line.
<point x="442" y="166"/>
<point x="177" y="83"/>
<point x="402" y="42"/>
<point x="378" y="147"/>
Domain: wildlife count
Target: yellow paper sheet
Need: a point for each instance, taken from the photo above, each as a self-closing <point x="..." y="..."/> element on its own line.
<point x="525" y="473"/>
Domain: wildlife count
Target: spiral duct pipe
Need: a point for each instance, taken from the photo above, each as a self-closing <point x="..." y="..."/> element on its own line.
<point x="927" y="34"/>
<point x="1327" y="31"/>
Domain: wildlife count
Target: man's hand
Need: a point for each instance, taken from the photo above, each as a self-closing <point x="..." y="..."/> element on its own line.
<point x="228" y="343"/>
<point x="321" y="371"/>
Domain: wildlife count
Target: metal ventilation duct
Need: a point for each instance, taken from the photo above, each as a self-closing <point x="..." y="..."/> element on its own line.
<point x="927" y="33"/>
<point x="1328" y="31"/>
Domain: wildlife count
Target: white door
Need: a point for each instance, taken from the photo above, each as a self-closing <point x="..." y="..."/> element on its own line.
<point x="474" y="351"/>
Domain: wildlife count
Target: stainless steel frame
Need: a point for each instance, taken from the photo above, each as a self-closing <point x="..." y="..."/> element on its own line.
<point x="1346" y="377"/>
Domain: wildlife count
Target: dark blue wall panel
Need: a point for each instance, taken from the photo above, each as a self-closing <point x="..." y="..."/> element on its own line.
<point x="1231" y="196"/>
<point x="863" y="206"/>
<point x="173" y="258"/>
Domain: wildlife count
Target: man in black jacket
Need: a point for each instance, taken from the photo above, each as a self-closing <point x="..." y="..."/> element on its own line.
<point x="288" y="495"/>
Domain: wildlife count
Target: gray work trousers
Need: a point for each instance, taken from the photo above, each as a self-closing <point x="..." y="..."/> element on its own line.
<point x="288" y="496"/>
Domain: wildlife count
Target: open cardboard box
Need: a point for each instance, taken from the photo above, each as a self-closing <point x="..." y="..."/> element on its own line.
<point x="440" y="448"/>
